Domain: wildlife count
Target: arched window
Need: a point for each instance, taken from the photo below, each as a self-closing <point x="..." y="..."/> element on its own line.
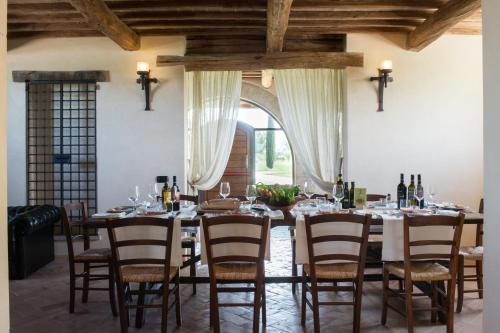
<point x="270" y="156"/>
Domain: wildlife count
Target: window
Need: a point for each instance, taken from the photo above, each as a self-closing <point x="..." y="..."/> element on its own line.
<point x="272" y="157"/>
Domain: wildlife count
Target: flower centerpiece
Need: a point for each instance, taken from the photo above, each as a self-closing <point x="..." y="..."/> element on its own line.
<point x="280" y="197"/>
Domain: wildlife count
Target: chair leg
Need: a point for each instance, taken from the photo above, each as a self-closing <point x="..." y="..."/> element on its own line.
<point x="214" y="308"/>
<point x="294" y="265"/>
<point x="450" y="299"/>
<point x="192" y="267"/>
<point x="124" y="320"/>
<point x="460" y="283"/>
<point x="409" y="304"/>
<point x="112" y="297"/>
<point x="303" y="300"/>
<point x="385" y="286"/>
<point x="434" y="301"/>
<point x="164" y="308"/>
<point x="479" y="273"/>
<point x="315" y="303"/>
<point x="264" y="319"/>
<point x="256" y="306"/>
<point x="178" y="300"/>
<point x="139" y="314"/>
<point x="357" y="306"/>
<point x="85" y="291"/>
<point x="72" y="291"/>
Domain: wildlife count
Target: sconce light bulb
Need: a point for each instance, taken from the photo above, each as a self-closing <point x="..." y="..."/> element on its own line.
<point x="142" y="66"/>
<point x="386" y="64"/>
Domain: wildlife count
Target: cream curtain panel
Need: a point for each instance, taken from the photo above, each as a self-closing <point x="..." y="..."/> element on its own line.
<point x="312" y="103"/>
<point x="212" y="106"/>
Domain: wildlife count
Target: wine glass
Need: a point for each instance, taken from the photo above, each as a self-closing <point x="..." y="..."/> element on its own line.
<point x="225" y="189"/>
<point x="153" y="193"/>
<point x="135" y="196"/>
<point x="308" y="189"/>
<point x="432" y="193"/>
<point x="419" y="194"/>
<point x="251" y="193"/>
<point x="338" y="194"/>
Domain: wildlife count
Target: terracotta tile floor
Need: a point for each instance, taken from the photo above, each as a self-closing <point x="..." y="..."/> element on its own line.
<point x="39" y="304"/>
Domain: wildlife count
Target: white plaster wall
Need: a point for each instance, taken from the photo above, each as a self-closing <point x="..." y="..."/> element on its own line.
<point x="4" y="269"/>
<point x="491" y="55"/>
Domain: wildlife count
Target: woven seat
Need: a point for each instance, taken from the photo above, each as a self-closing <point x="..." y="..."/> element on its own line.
<point x="336" y="271"/>
<point x="472" y="253"/>
<point x="235" y="271"/>
<point x="140" y="274"/>
<point x="94" y="254"/>
<point x="375" y="238"/>
<point x="421" y="271"/>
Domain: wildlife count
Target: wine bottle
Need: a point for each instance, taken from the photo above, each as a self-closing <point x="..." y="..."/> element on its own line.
<point x="339" y="180"/>
<point x="401" y="191"/>
<point x="166" y="196"/>
<point x="175" y="193"/>
<point x="411" y="192"/>
<point x="351" y="196"/>
<point x="420" y="191"/>
<point x="345" y="200"/>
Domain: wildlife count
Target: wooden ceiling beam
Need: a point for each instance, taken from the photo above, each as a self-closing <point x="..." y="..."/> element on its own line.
<point x="277" y="60"/>
<point x="355" y="5"/>
<point x="361" y="15"/>
<point x="278" y="12"/>
<point x="442" y="20"/>
<point x="102" y="19"/>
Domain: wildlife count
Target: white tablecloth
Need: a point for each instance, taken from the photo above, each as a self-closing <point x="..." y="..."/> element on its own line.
<point x="240" y="249"/>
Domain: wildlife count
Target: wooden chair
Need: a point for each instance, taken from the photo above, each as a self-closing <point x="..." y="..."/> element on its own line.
<point x="189" y="242"/>
<point x="474" y="254"/>
<point x="294" y="242"/>
<point x="141" y="248"/>
<point x="425" y="266"/>
<point x="236" y="268"/>
<point x="90" y="258"/>
<point x="375" y="197"/>
<point x="347" y="266"/>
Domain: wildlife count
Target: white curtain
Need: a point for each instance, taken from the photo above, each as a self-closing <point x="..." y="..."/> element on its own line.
<point x="312" y="103"/>
<point x="213" y="101"/>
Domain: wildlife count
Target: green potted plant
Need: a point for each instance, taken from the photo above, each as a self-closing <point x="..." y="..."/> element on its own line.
<point x="280" y="197"/>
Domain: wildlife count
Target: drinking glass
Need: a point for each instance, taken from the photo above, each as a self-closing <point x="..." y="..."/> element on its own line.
<point x="135" y="196"/>
<point x="419" y="195"/>
<point x="251" y="193"/>
<point x="153" y="193"/>
<point x="225" y="189"/>
<point x="338" y="194"/>
<point x="432" y="193"/>
<point x="308" y="189"/>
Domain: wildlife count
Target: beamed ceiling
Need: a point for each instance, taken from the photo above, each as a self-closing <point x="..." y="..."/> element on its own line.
<point x="264" y="25"/>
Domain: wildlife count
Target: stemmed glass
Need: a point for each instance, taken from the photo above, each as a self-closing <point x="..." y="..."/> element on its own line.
<point x="419" y="195"/>
<point x="153" y="193"/>
<point x="134" y="197"/>
<point x="338" y="194"/>
<point x="308" y="190"/>
<point x="225" y="189"/>
<point x="251" y="193"/>
<point x="432" y="193"/>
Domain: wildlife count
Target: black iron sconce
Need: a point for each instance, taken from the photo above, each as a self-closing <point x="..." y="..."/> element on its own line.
<point x="383" y="78"/>
<point x="145" y="81"/>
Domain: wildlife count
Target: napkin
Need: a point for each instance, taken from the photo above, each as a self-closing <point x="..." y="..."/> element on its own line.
<point x="110" y="215"/>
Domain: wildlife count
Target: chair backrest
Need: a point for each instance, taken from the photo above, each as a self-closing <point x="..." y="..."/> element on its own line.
<point x="375" y="197"/>
<point x="141" y="241"/>
<point x="70" y="212"/>
<point x="337" y="238"/>
<point x="192" y="198"/>
<point x="432" y="238"/>
<point x="227" y="236"/>
<point x="479" y="228"/>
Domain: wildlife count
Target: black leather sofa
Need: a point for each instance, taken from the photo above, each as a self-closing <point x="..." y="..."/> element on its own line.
<point x="31" y="238"/>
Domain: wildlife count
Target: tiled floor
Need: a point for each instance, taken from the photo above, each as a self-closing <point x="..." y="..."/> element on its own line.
<point x="39" y="304"/>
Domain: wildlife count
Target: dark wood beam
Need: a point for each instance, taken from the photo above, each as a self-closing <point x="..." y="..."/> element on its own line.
<point x="442" y="20"/>
<point x="278" y="12"/>
<point x="23" y="76"/>
<point x="278" y="60"/>
<point x="102" y="19"/>
<point x="355" y="5"/>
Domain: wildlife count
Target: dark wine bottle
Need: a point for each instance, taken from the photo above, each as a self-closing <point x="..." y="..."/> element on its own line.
<point x="345" y="200"/>
<point x="401" y="191"/>
<point x="420" y="191"/>
<point x="175" y="192"/>
<point x="411" y="192"/>
<point x="351" y="196"/>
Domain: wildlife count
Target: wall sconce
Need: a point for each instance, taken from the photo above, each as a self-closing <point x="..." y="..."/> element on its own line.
<point x="267" y="78"/>
<point x="145" y="81"/>
<point x="383" y="78"/>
